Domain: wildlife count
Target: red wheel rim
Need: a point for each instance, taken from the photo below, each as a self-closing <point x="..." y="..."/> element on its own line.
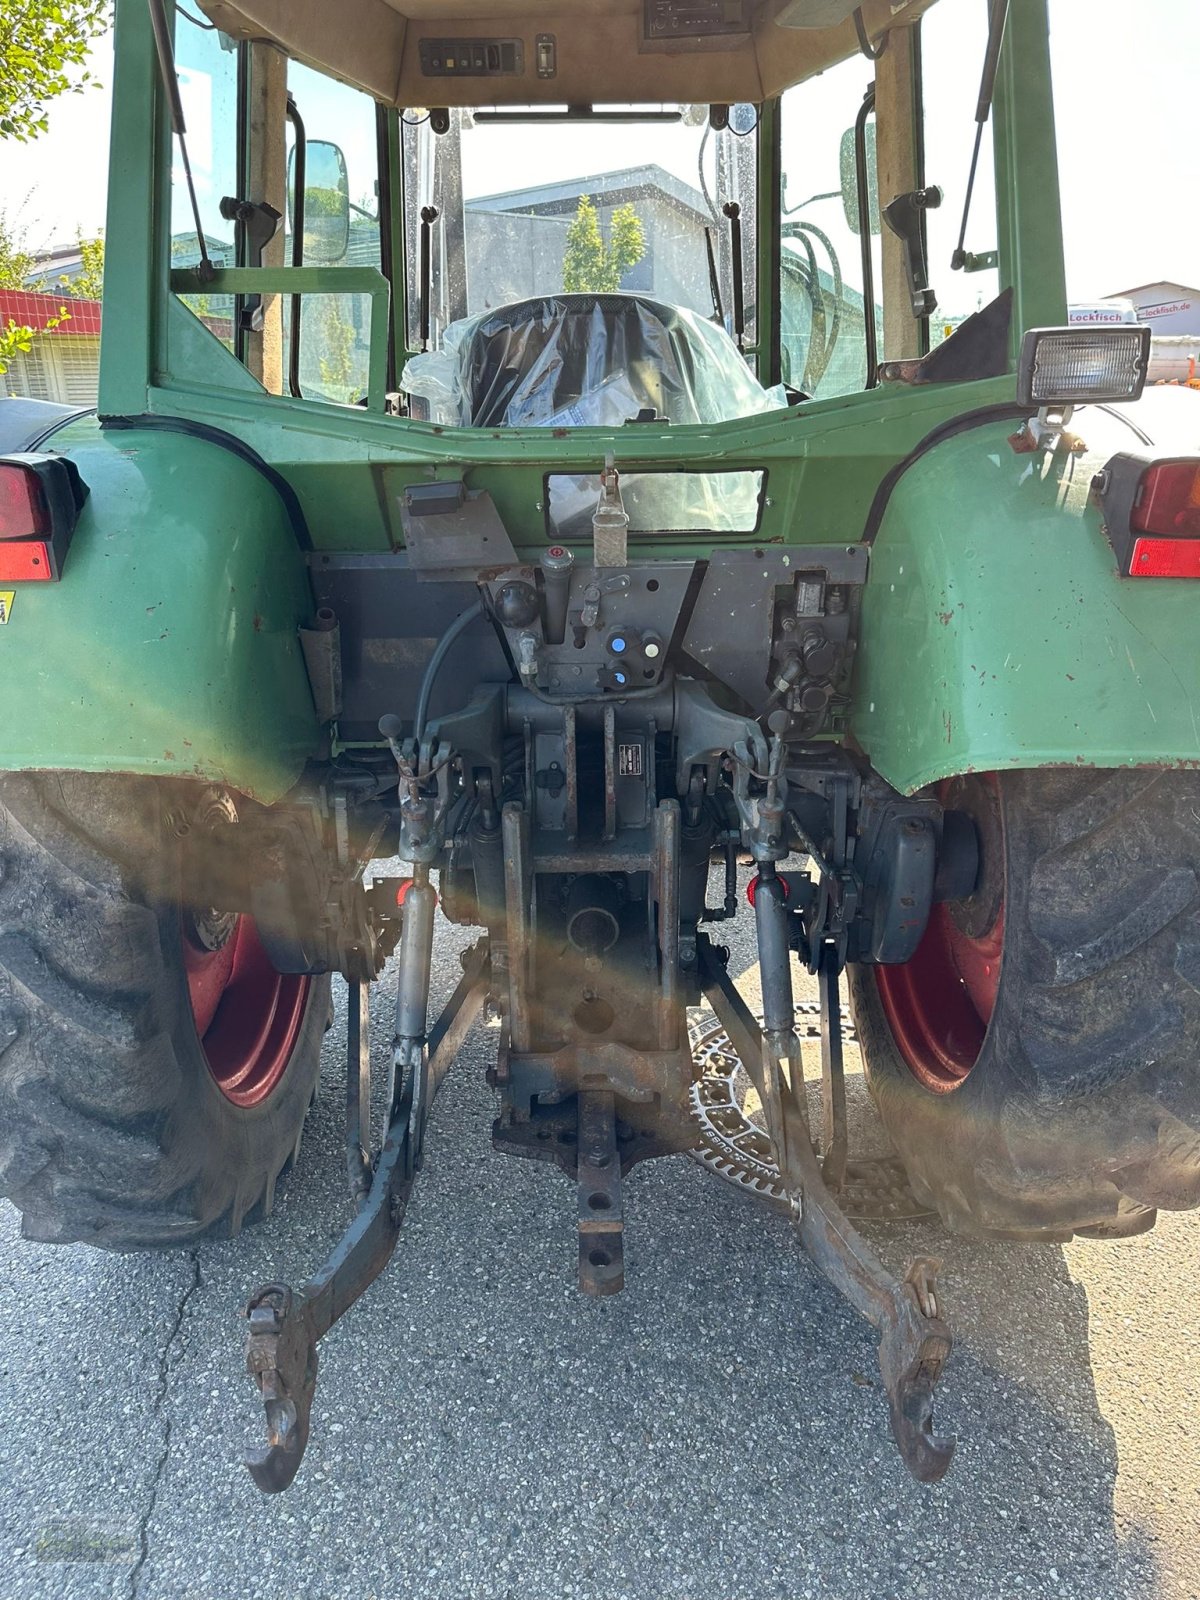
<point x="247" y="1015"/>
<point x="939" y="1004"/>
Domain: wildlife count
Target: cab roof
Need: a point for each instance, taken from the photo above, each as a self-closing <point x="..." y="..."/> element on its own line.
<point x="606" y="52"/>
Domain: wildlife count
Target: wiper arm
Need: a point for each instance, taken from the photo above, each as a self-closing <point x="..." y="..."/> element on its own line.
<point x="714" y="280"/>
<point x="997" y="18"/>
<point x="734" y="212"/>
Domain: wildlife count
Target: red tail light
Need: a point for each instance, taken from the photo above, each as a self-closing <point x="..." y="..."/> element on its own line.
<point x="1165" y="558"/>
<point x="40" y="501"/>
<point x="24" y="513"/>
<point x="25" y="561"/>
<point x="1152" y="515"/>
<point x="1168" y="500"/>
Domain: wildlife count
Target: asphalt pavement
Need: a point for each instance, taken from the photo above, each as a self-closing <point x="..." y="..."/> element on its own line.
<point x="716" y="1432"/>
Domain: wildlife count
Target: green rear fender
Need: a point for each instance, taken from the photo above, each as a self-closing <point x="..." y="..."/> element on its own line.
<point x="170" y="645"/>
<point x="995" y="630"/>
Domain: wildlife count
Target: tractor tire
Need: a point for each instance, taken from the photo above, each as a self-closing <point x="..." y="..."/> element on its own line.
<point x="1037" y="1063"/>
<point x="120" y="1125"/>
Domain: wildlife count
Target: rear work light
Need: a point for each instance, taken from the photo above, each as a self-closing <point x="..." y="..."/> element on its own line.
<point x="1152" y="515"/>
<point x="40" y="500"/>
<point x="1072" y="366"/>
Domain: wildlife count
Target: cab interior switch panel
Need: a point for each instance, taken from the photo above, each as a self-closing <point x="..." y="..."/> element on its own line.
<point x="694" y="24"/>
<point x="472" y="58"/>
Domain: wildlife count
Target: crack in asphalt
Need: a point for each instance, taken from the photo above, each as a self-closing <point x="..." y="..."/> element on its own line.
<point x="164" y="1379"/>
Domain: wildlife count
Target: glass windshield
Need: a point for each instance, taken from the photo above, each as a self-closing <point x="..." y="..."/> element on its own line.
<point x="953" y="46"/>
<point x="532" y="207"/>
<point x="207" y="65"/>
<point x="342" y="156"/>
<point x="821" y="290"/>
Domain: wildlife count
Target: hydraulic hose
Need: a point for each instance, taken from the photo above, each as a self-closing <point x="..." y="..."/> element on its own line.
<point x="444" y="645"/>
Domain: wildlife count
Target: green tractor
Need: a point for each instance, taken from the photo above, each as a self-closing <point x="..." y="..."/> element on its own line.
<point x="529" y="447"/>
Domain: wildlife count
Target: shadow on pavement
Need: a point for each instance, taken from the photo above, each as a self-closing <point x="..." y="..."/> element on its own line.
<point x="718" y="1431"/>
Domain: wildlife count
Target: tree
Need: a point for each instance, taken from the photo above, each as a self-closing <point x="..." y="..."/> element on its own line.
<point x="334" y="339"/>
<point x="17" y="338"/>
<point x="590" y="266"/>
<point x="88" y="283"/>
<point x="628" y="243"/>
<point x="43" y="44"/>
<point x="16" y="263"/>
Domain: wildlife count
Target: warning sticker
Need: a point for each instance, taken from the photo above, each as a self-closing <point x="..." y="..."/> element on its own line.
<point x="629" y="760"/>
<point x="7" y="596"/>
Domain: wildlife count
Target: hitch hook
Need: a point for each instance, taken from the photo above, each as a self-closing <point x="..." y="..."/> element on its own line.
<point x="281" y="1350"/>
<point x="913" y="1347"/>
<point x="281" y="1356"/>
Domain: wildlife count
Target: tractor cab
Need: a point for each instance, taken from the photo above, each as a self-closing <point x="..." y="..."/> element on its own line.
<point x="592" y="261"/>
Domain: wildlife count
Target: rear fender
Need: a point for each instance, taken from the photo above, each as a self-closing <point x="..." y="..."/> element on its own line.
<point x="995" y="629"/>
<point x="170" y="645"/>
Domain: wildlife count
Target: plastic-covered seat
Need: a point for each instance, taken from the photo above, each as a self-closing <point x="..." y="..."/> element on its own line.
<point x="527" y="362"/>
<point x="580" y="360"/>
<point x="599" y="360"/>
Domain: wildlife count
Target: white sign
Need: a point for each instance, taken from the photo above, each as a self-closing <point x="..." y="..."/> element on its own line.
<point x="1090" y="312"/>
<point x="1165" y="308"/>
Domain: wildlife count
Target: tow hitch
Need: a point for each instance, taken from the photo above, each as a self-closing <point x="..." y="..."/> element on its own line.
<point x="586" y="964"/>
<point x="285" y="1325"/>
<point x="914" y="1342"/>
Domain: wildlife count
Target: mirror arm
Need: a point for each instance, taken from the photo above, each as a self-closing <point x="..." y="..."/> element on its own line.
<point x="862" y="184"/>
<point x="905" y="216"/>
<point x="299" y="180"/>
<point x="872" y="52"/>
<point x="260" y="223"/>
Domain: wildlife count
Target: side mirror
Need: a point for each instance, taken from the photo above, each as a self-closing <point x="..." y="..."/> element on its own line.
<point x="325" y="216"/>
<point x="849" y="179"/>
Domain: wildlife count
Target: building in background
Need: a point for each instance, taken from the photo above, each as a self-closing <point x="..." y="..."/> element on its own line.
<point x="56" y="270"/>
<point x="63" y="364"/>
<point x="517" y="241"/>
<point x="1169" y="309"/>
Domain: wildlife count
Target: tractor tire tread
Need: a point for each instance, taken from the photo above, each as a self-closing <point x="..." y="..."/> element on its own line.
<point x="1082" y="1113"/>
<point x="112" y="1132"/>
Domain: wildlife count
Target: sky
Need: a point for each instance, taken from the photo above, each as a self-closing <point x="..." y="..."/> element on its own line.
<point x="1126" y="79"/>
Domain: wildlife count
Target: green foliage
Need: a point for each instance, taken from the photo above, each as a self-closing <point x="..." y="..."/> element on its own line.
<point x="17" y="338"/>
<point x="16" y="262"/>
<point x="590" y="266"/>
<point x="334" y="338"/>
<point x="89" y="283"/>
<point x="43" y="46"/>
<point x="628" y="243"/>
<point x="583" y="263"/>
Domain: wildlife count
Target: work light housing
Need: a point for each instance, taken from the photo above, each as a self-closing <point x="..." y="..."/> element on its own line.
<point x="1078" y="365"/>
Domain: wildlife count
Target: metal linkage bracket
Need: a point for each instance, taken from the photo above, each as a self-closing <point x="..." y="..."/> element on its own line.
<point x="285" y="1325"/>
<point x="835" y="1143"/>
<point x="610" y="523"/>
<point x="914" y="1342"/>
<point x="601" y="1225"/>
